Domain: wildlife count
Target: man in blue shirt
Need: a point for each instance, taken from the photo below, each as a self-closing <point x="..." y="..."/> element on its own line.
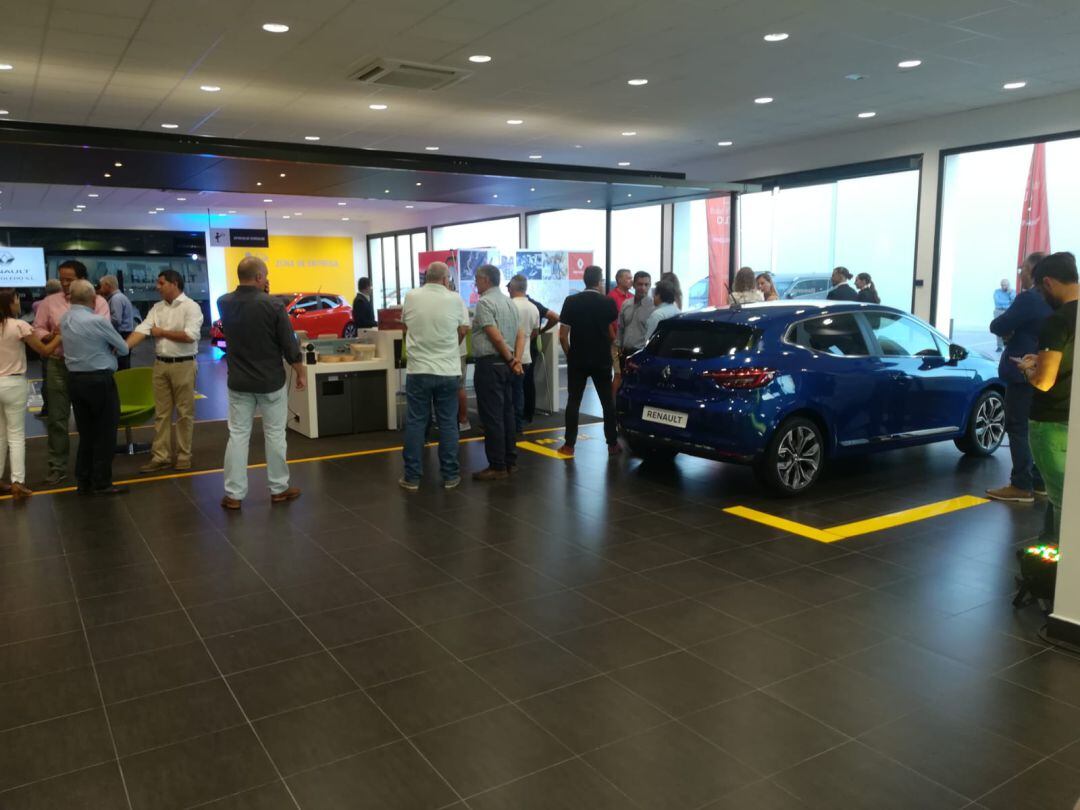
<point x="1003" y="299"/>
<point x="91" y="346"/>
<point x="1018" y="327"/>
<point x="121" y="313"/>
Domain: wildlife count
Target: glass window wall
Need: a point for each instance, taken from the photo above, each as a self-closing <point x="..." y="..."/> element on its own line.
<point x="392" y="262"/>
<point x="503" y="234"/>
<point x="635" y="240"/>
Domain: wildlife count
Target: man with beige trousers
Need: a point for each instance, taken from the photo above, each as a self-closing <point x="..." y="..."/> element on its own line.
<point x="175" y="323"/>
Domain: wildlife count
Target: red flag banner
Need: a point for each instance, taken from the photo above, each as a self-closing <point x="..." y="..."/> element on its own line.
<point x="718" y="210"/>
<point x="1035" y="218"/>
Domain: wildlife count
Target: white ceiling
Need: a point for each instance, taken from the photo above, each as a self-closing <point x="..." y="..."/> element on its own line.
<point x="561" y="65"/>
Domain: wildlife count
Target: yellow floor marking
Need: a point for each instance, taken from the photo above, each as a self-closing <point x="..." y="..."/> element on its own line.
<point x="859" y="527"/>
<point x="543" y="451"/>
<point x="145" y="479"/>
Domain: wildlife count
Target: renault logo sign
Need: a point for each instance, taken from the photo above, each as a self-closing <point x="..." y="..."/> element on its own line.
<point x="6" y="258"/>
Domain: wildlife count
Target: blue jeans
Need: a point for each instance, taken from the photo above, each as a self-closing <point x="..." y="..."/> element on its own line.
<point x="1025" y="475"/>
<point x="422" y="391"/>
<point x="495" y="402"/>
<point x="275" y="413"/>
<point x="520" y="382"/>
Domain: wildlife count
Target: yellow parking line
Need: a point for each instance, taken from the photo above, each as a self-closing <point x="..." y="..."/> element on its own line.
<point x="539" y="449"/>
<point x="859" y="527"/>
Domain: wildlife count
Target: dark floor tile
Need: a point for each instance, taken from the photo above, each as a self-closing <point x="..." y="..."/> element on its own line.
<point x="474" y="562"/>
<point x="324" y="732"/>
<point x="140" y="635"/>
<point x="525" y="670"/>
<point x="326" y="595"/>
<point x="844" y="699"/>
<point x="559" y="612"/>
<point x="827" y="634"/>
<point x="96" y="788"/>
<point x="978" y="643"/>
<point x="36" y="595"/>
<point x="53" y="747"/>
<point x="577" y="569"/>
<point x="434" y="698"/>
<point x="753" y="603"/>
<point x="945" y="596"/>
<point x="694" y="514"/>
<point x="31" y="659"/>
<point x="801" y="550"/>
<point x="393" y="777"/>
<point x="1070" y="755"/>
<point x="288" y="684"/>
<point x="219" y="586"/>
<point x="764" y="795"/>
<point x="648" y="526"/>
<point x="49" y="620"/>
<point x="398" y="579"/>
<point x="356" y="622"/>
<point x="128" y="605"/>
<point x="670" y="767"/>
<point x="568" y="786"/>
<point x="592" y="713"/>
<point x="763" y="733"/>
<point x="272" y="796"/>
<point x="155" y="671"/>
<point x="490" y="749"/>
<point x="167" y="717"/>
<point x="479" y="633"/>
<point x="908" y="666"/>
<point x="629" y="594"/>
<point x="438" y="603"/>
<point x="951" y="752"/>
<point x="686" y="622"/>
<point x="231" y="615"/>
<point x="103" y="582"/>
<point x="888" y="613"/>
<point x="612" y="644"/>
<point x="1052" y="673"/>
<point x="262" y="645"/>
<point x="514" y="585"/>
<point x="680" y="683"/>
<point x="868" y="571"/>
<point x="697" y="542"/>
<point x="641" y="555"/>
<point x="856" y="778"/>
<point x="392" y="656"/>
<point x="750" y="563"/>
<point x="692" y="577"/>
<point x="196" y="771"/>
<point x="756" y="657"/>
<point x="811" y="585"/>
<point x="47" y="696"/>
<point x="1045" y="787"/>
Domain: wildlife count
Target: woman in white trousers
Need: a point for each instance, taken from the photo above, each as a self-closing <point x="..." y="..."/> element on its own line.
<point x="15" y="336"/>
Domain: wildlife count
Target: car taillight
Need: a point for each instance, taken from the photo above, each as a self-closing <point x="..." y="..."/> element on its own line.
<point x="741" y="377"/>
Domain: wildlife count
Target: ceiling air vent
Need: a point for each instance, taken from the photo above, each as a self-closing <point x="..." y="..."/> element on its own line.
<point x="411" y="75"/>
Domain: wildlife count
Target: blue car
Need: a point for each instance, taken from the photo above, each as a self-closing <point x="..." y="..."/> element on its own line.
<point x="785" y="386"/>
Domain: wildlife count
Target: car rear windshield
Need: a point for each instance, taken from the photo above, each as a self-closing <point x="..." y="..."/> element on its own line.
<point x="700" y="339"/>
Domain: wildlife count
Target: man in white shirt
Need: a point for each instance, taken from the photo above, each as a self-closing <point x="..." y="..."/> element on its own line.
<point x="175" y="323"/>
<point x="529" y="323"/>
<point x="435" y="320"/>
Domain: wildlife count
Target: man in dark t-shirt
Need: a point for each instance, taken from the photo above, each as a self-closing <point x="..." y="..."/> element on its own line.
<point x="585" y="335"/>
<point x="1050" y="371"/>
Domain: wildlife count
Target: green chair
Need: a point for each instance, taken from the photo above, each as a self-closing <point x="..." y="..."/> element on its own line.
<point x="136" y="389"/>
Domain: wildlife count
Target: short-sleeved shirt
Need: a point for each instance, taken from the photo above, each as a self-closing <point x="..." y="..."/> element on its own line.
<point x="620" y="297"/>
<point x="1058" y="335"/>
<point x="180" y="315"/>
<point x="633" y="323"/>
<point x="589" y="315"/>
<point x="12" y="349"/>
<point x="528" y="322"/>
<point x="432" y="315"/>
<point x="493" y="309"/>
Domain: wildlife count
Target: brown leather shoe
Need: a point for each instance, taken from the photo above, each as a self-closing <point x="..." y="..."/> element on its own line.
<point x="490" y="474"/>
<point x="511" y="468"/>
<point x="291" y="494"/>
<point x="566" y="450"/>
<point x="231" y="504"/>
<point x="155" y="466"/>
<point x="20" y="492"/>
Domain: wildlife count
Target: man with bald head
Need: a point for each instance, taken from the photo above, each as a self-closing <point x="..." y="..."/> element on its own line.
<point x="435" y="320"/>
<point x="260" y="337"/>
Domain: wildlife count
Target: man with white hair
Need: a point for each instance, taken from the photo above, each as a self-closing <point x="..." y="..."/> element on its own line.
<point x="91" y="346"/>
<point x="121" y="313"/>
<point x="435" y="320"/>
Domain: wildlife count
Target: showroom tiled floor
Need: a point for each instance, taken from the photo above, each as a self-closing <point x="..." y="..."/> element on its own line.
<point x="587" y="635"/>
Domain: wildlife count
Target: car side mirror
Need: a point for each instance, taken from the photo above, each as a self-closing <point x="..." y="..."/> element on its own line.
<point x="957" y="353"/>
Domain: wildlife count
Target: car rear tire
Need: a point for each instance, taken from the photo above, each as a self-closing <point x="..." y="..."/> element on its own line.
<point x="985" y="427"/>
<point x="795" y="458"/>
<point x="349" y="331"/>
<point x="650" y="452"/>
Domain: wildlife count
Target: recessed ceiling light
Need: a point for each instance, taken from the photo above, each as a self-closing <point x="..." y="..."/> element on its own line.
<point x="209" y="88"/>
<point x="854" y="77"/>
<point x="267" y="200"/>
<point x="107" y="174"/>
<point x="908" y="64"/>
<point x="629" y="134"/>
<point x="432" y="148"/>
<point x="344" y="219"/>
<point x="532" y="189"/>
<point x="577" y="145"/>
<point x="495" y="196"/>
<point x="867" y="114"/>
<point x="1013" y="85"/>
<point x="311" y="137"/>
<point x="118" y="165"/>
<point x="588" y="201"/>
<point x="93" y="195"/>
<point x="6" y="66"/>
<point x="275" y="28"/>
<point x="76" y="210"/>
<point x="81" y="205"/>
<point x="637" y="82"/>
<point x="232" y="212"/>
<point x="777" y="37"/>
<point x="536" y="157"/>
<point x="297" y="213"/>
<point x="514" y="121"/>
<point x="170" y="126"/>
<point x="4" y="112"/>
<point x="763" y="100"/>
<point x="628" y="194"/>
<point x="419" y="184"/>
<point x="342" y="203"/>
<point x="151" y="212"/>
<point x="259" y="183"/>
<point x="410" y="206"/>
<point x="159" y="208"/>
<point x="377" y="107"/>
<point x="282" y="174"/>
<point x="624" y="162"/>
<point x="724" y="143"/>
<point x="480" y="58"/>
<point x="181" y="199"/>
<point x="286" y="216"/>
<point x="386" y="191"/>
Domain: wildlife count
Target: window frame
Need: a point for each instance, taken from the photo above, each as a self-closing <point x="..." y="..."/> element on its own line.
<point x="863" y="326"/>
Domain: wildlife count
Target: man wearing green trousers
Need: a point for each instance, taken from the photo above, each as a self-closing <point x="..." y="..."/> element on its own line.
<point x="1050" y="372"/>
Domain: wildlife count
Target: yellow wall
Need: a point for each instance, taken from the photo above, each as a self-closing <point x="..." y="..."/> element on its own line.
<point x="301" y="264"/>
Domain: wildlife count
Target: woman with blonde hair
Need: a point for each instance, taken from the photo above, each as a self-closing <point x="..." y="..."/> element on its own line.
<point x="745" y="289"/>
<point x="768" y="289"/>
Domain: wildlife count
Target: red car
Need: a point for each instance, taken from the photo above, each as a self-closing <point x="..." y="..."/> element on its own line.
<point x="317" y="314"/>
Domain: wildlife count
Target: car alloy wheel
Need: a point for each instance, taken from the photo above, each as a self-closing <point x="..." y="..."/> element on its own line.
<point x="798" y="458"/>
<point x="349" y="331"/>
<point x="990" y="423"/>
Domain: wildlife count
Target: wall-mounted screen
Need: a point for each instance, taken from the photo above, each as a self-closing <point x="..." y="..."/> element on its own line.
<point x="22" y="267"/>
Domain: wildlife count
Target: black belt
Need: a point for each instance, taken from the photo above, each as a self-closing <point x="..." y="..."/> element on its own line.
<point x="187" y="359"/>
<point x="98" y="372"/>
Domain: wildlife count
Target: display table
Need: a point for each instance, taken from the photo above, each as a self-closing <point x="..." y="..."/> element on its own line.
<point x="353" y="396"/>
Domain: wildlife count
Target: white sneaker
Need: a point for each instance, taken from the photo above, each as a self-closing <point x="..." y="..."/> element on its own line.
<point x="412" y="486"/>
<point x="451" y="483"/>
<point x="466" y="425"/>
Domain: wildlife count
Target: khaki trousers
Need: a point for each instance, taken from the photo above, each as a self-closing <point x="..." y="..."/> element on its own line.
<point x="174" y="388"/>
